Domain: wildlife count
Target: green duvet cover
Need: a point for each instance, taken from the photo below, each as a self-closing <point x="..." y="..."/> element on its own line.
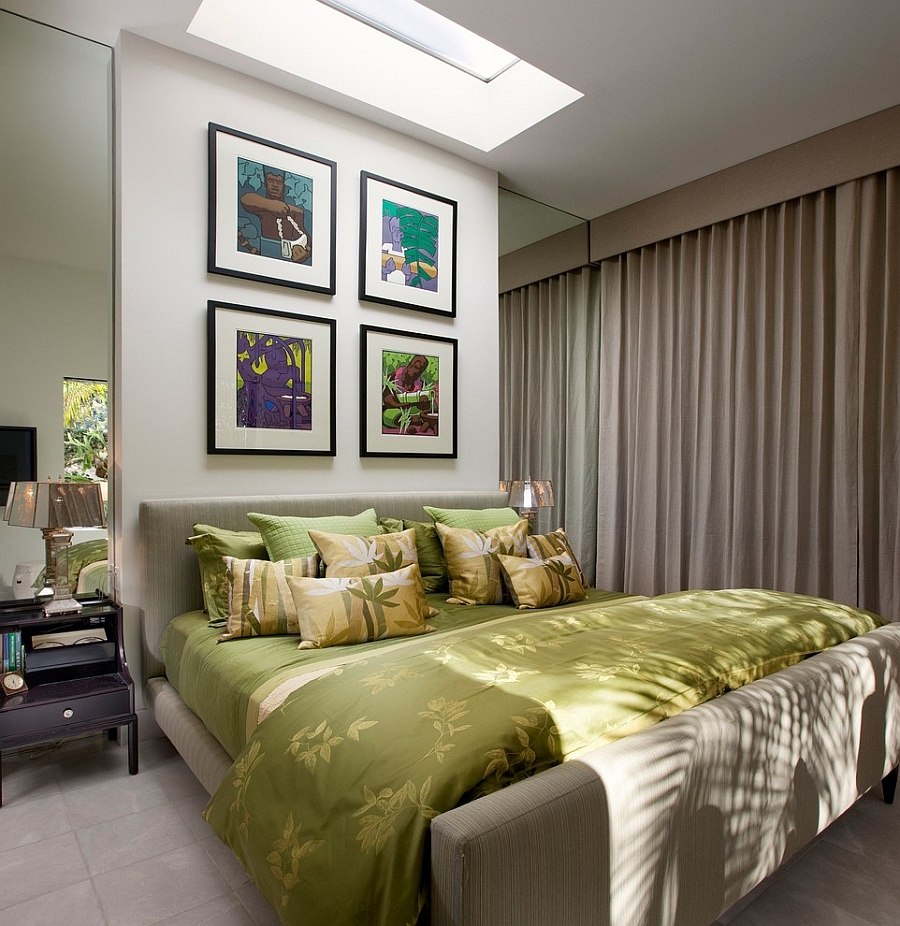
<point x="328" y="804"/>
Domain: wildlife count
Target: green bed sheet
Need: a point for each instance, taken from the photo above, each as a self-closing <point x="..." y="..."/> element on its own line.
<point x="328" y="804"/>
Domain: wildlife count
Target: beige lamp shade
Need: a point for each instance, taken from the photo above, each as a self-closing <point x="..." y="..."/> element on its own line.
<point x="55" y="505"/>
<point x="530" y="493"/>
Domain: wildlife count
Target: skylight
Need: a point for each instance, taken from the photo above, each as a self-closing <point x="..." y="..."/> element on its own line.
<point x="318" y="44"/>
<point x="434" y="34"/>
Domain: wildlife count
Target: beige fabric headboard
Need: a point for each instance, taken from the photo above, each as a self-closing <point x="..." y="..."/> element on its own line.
<point x="170" y="580"/>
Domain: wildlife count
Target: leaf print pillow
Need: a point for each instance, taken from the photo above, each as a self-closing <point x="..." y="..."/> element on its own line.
<point x="344" y="555"/>
<point x="556" y="543"/>
<point x="356" y="609"/>
<point x="472" y="560"/>
<point x="259" y="601"/>
<point x="542" y="583"/>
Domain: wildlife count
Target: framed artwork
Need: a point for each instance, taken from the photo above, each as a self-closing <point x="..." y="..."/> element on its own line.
<point x="271" y="381"/>
<point x="407" y="394"/>
<point x="407" y="246"/>
<point x="271" y="212"/>
<point x="18" y="458"/>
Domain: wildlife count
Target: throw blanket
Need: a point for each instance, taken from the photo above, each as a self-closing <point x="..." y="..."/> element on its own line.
<point x="328" y="805"/>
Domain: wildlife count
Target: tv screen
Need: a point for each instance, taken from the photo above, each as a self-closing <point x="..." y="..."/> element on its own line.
<point x="18" y="457"/>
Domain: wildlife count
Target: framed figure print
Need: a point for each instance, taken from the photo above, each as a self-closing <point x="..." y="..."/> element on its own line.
<point x="271" y="381"/>
<point x="271" y="212"/>
<point x="407" y="247"/>
<point x="407" y="394"/>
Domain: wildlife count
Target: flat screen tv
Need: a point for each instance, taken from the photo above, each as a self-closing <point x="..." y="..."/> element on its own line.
<point x="18" y="457"/>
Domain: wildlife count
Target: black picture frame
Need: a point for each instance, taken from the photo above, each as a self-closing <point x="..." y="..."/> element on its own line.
<point x="428" y="246"/>
<point x="18" y="457"/>
<point x="295" y="415"/>
<point x="405" y="414"/>
<point x="303" y="254"/>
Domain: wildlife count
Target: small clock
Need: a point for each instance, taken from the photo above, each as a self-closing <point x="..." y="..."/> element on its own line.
<point x="12" y="683"/>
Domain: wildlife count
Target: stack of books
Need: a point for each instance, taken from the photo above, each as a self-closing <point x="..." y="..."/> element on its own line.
<point x="12" y="653"/>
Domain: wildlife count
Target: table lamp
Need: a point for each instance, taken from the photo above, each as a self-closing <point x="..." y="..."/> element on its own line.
<point x="527" y="495"/>
<point x="54" y="507"/>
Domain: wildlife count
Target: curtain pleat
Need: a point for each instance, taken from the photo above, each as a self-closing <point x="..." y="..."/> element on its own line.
<point x="723" y="408"/>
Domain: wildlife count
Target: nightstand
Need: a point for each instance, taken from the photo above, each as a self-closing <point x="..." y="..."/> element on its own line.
<point x="77" y="677"/>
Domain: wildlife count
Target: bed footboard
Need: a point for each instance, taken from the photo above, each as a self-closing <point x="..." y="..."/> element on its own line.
<point x="675" y="824"/>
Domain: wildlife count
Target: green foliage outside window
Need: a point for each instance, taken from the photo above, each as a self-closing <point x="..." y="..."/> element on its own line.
<point x="85" y="429"/>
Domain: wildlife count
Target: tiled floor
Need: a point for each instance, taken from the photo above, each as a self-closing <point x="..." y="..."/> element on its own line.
<point x="87" y="844"/>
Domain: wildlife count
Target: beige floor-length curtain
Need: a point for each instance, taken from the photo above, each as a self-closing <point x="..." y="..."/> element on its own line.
<point x="747" y="401"/>
<point x="549" y="344"/>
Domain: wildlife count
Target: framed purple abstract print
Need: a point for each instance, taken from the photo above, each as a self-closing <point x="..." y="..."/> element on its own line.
<point x="407" y="394"/>
<point x="271" y="381"/>
<point x="271" y="212"/>
<point x="407" y="246"/>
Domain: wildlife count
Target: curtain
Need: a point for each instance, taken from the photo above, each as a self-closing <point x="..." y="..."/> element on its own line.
<point x="747" y="401"/>
<point x="549" y="344"/>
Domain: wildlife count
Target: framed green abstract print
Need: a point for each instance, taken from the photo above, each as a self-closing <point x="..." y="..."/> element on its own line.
<point x="407" y="246"/>
<point x="407" y="394"/>
<point x="271" y="212"/>
<point x="270" y="381"/>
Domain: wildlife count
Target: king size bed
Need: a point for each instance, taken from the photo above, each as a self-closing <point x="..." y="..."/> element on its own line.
<point x="465" y="770"/>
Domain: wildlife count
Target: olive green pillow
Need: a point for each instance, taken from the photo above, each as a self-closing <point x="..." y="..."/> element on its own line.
<point x="356" y="609"/>
<point x="260" y="603"/>
<point x="542" y="583"/>
<point x="556" y="543"/>
<point x="287" y="536"/>
<point x="211" y="545"/>
<point x="472" y="560"/>
<point x="474" y="519"/>
<point x="432" y="564"/>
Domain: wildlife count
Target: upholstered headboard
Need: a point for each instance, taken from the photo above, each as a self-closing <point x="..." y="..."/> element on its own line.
<point x="170" y="577"/>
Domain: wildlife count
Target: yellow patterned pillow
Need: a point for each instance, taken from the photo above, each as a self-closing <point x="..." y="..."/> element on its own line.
<point x="344" y="555"/>
<point x="472" y="560"/>
<point x="356" y="609"/>
<point x="556" y="543"/>
<point x="259" y="600"/>
<point x="542" y="583"/>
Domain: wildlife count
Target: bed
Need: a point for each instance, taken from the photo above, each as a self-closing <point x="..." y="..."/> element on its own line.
<point x="672" y="824"/>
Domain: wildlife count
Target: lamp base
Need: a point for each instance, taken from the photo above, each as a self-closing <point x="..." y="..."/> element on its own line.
<point x="61" y="606"/>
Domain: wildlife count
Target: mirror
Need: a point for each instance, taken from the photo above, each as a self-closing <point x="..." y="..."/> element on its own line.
<point x="56" y="244"/>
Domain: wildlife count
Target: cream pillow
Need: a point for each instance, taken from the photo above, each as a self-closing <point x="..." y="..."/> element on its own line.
<point x="345" y="555"/>
<point x="356" y="609"/>
<point x="259" y="600"/>
<point x="542" y="583"/>
<point x="472" y="560"/>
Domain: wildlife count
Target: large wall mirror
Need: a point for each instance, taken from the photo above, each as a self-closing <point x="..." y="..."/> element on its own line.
<point x="56" y="260"/>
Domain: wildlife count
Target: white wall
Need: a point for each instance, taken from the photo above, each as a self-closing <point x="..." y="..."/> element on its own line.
<point x="164" y="100"/>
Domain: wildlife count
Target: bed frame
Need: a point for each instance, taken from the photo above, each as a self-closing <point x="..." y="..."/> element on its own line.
<point x="668" y="827"/>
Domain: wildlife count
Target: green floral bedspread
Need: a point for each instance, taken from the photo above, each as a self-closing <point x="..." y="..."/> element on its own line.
<point x="329" y="803"/>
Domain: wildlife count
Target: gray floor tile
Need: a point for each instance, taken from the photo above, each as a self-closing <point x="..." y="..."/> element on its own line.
<point x="144" y="893"/>
<point x="223" y="911"/>
<point x="191" y="811"/>
<point x="27" y="776"/>
<point x="132" y="838"/>
<point x="111" y="795"/>
<point x="177" y="780"/>
<point x="226" y="861"/>
<point x="257" y="906"/>
<point x="39" y="868"/>
<point x="76" y="905"/>
<point x="24" y="822"/>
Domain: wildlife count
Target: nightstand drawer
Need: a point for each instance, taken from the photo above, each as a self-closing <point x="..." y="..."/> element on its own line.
<point x="66" y="712"/>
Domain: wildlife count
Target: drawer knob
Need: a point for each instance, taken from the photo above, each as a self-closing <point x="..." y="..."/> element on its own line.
<point x="68" y="713"/>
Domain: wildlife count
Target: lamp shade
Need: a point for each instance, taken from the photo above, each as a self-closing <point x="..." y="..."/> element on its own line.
<point x="530" y="493"/>
<point x="55" y="505"/>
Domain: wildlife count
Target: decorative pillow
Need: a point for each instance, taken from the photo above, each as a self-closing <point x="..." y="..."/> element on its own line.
<point x="432" y="564"/>
<point x="473" y="519"/>
<point x="287" y="536"/>
<point x="542" y="583"/>
<point x="345" y="555"/>
<point x="260" y="603"/>
<point x="212" y="544"/>
<point x="556" y="543"/>
<point x="356" y="609"/>
<point x="472" y="560"/>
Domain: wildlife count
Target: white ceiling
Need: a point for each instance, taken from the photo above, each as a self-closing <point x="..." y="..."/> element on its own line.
<point x="674" y="89"/>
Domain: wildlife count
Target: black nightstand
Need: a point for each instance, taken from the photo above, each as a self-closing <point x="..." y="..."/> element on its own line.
<point x="75" y="688"/>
